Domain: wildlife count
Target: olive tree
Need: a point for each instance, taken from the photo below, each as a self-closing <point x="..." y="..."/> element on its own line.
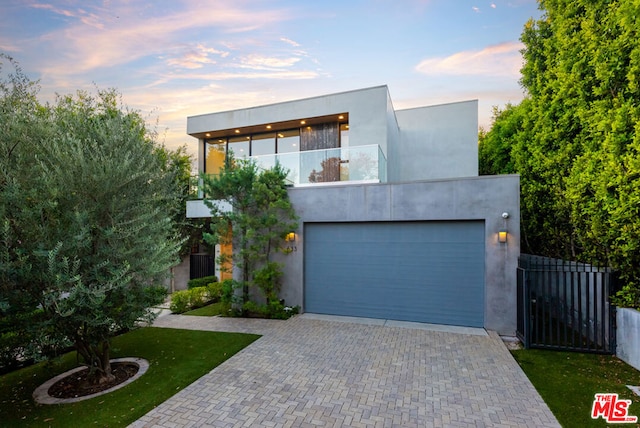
<point x="86" y="248"/>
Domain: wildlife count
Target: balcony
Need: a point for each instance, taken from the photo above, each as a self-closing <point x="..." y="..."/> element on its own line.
<point x="354" y="164"/>
<point x="359" y="164"/>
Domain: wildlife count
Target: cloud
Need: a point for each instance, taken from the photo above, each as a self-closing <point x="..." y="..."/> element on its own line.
<point x="499" y="60"/>
<point x="82" y="15"/>
<point x="8" y="46"/>
<point x="260" y="62"/>
<point x="196" y="57"/>
<point x="257" y="74"/>
<point x="476" y="9"/>
<point x="493" y="6"/>
<point x="118" y="35"/>
<point x="291" y="42"/>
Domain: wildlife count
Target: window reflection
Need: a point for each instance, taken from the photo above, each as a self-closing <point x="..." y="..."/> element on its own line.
<point x="239" y="146"/>
<point x="215" y="156"/>
<point x="289" y="141"/>
<point x="263" y="144"/>
<point x="344" y="135"/>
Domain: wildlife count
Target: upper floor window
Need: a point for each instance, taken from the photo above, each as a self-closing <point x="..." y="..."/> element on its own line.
<point x="240" y="146"/>
<point x="263" y="144"/>
<point x="319" y="134"/>
<point x="289" y="141"/>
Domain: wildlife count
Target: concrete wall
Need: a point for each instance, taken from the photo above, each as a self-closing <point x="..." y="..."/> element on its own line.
<point x="367" y="110"/>
<point x="436" y="142"/>
<point x="181" y="274"/>
<point x="419" y="144"/>
<point x="178" y="276"/>
<point x="478" y="198"/>
<point x="628" y="336"/>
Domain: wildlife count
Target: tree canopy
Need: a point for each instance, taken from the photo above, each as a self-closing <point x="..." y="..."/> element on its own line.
<point x="575" y="139"/>
<point x="87" y="207"/>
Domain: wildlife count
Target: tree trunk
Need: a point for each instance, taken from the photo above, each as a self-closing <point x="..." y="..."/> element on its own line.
<point x="97" y="358"/>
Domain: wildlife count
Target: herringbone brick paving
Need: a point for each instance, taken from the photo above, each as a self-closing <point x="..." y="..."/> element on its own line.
<point x="309" y="373"/>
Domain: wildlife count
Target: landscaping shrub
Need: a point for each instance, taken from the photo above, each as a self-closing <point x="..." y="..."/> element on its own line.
<point x="179" y="301"/>
<point x="201" y="282"/>
<point x="214" y="291"/>
<point x="226" y="295"/>
<point x="275" y="309"/>
<point x="184" y="300"/>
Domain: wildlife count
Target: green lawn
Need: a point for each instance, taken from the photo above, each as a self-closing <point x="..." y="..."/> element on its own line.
<point x="211" y="310"/>
<point x="176" y="359"/>
<point x="568" y="381"/>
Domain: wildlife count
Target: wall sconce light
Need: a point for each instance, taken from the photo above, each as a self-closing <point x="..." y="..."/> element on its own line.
<point x="291" y="245"/>
<point x="503" y="234"/>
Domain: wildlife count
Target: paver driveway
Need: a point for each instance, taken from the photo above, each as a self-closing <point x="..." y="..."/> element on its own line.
<point x="315" y="372"/>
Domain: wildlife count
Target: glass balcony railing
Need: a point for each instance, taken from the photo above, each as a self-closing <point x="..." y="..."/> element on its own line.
<point x="358" y="163"/>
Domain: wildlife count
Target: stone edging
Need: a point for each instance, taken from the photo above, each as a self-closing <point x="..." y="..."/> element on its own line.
<point x="41" y="394"/>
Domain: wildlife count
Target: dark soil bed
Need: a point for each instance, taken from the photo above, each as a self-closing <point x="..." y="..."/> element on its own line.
<point x="77" y="385"/>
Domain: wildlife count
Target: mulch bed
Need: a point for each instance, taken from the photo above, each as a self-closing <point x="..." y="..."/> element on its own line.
<point x="77" y="385"/>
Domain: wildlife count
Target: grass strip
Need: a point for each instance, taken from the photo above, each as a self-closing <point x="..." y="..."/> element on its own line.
<point x="211" y="310"/>
<point x="176" y="359"/>
<point x="568" y="381"/>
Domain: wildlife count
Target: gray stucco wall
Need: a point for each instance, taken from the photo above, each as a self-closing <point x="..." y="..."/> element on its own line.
<point x="436" y="142"/>
<point x="419" y="144"/>
<point x="477" y="198"/>
<point x="367" y="110"/>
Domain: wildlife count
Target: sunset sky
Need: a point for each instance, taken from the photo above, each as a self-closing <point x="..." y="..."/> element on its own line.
<point x="177" y="58"/>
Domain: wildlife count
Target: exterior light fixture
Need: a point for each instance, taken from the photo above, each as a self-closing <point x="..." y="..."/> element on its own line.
<point x="503" y="234"/>
<point x="302" y="122"/>
<point x="291" y="236"/>
<point x="341" y="117"/>
<point x="268" y="126"/>
<point x="208" y="135"/>
<point x="237" y="131"/>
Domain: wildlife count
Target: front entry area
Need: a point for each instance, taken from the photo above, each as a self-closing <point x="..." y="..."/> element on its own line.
<point x="422" y="271"/>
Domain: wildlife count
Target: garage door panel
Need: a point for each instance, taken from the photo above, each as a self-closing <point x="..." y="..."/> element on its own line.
<point x="414" y="271"/>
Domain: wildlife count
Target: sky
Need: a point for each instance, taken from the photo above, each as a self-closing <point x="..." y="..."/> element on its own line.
<point x="178" y="58"/>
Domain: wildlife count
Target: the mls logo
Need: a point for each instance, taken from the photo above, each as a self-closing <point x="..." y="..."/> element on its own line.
<point x="612" y="410"/>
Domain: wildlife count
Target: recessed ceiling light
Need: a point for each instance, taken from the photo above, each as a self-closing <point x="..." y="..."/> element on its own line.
<point x="341" y="117"/>
<point x="302" y="122"/>
<point x="237" y="131"/>
<point x="207" y="134"/>
<point x="268" y="126"/>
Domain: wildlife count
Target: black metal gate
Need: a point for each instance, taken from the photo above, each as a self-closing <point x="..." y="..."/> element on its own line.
<point x="565" y="305"/>
<point x="201" y="265"/>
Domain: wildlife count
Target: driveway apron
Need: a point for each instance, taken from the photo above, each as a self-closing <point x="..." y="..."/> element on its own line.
<point x="320" y="372"/>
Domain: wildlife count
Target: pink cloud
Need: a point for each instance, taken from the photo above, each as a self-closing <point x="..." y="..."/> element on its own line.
<point x="498" y="60"/>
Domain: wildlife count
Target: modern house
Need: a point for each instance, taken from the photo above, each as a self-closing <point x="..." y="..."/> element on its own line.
<point x="395" y="222"/>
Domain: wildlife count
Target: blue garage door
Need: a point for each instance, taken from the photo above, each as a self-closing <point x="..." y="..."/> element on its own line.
<point x="411" y="271"/>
